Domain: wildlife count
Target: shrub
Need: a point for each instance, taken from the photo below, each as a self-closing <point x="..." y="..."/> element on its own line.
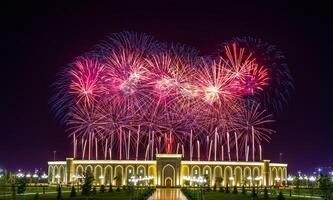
<point x="254" y="193"/>
<point x="110" y="188"/>
<point x="214" y="188"/>
<point x="280" y="196"/>
<point x="118" y="189"/>
<point x="59" y="192"/>
<point x="73" y="192"/>
<point x="221" y="188"/>
<point x="94" y="191"/>
<point x="102" y="189"/>
<point x="22" y="185"/>
<point x="235" y="191"/>
<point x="88" y="182"/>
<point x="243" y="190"/>
<point x="13" y="191"/>
<point x="227" y="190"/>
<point x="36" y="197"/>
<point x="266" y="194"/>
<point x="326" y="186"/>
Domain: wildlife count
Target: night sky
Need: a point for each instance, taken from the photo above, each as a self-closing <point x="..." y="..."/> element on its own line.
<point x="37" y="41"/>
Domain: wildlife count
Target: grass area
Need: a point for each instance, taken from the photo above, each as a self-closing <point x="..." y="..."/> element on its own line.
<point x="303" y="191"/>
<point x="212" y="195"/>
<point x="115" y="195"/>
<point x="65" y="196"/>
<point x="33" y="189"/>
<point x="273" y="193"/>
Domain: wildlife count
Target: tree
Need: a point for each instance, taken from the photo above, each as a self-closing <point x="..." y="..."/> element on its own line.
<point x="36" y="197"/>
<point x="227" y="190"/>
<point x="94" y="191"/>
<point x="73" y="192"/>
<point x="102" y="189"/>
<point x="243" y="190"/>
<point x="221" y="188"/>
<point x="280" y="196"/>
<point x="254" y="193"/>
<point x="22" y="185"/>
<point x="235" y="191"/>
<point x="326" y="186"/>
<point x="13" y="191"/>
<point x="110" y="188"/>
<point x="118" y="180"/>
<point x="266" y="194"/>
<point x="59" y="192"/>
<point x="87" y="184"/>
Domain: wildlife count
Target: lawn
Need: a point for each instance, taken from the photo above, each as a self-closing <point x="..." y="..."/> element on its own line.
<point x="51" y="195"/>
<point x="33" y="189"/>
<point x="65" y="196"/>
<point x="273" y="193"/>
<point x="212" y="195"/>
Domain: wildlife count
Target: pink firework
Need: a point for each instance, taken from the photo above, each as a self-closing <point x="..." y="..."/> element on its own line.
<point x="86" y="80"/>
<point x="135" y="93"/>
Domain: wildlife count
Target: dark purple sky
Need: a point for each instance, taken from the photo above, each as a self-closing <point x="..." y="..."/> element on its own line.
<point x="38" y="40"/>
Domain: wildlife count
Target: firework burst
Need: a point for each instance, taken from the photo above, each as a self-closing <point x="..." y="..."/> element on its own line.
<point x="133" y="93"/>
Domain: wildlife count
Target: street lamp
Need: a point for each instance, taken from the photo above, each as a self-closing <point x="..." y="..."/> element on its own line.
<point x="257" y="179"/>
<point x="249" y="178"/>
<point x="19" y="174"/>
<point x="277" y="180"/>
<point x="44" y="176"/>
<point x="231" y="178"/>
<point x="312" y="179"/>
<point x="289" y="181"/>
<point x="57" y="177"/>
<point x="101" y="177"/>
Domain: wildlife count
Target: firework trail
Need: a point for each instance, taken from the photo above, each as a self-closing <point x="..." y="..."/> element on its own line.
<point x="133" y="96"/>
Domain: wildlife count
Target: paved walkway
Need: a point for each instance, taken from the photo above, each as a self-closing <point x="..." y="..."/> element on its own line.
<point x="168" y="193"/>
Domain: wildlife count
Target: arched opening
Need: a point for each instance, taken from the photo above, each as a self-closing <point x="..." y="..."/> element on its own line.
<point x="274" y="174"/>
<point x="129" y="173"/>
<point x="185" y="172"/>
<point x="168" y="173"/>
<point x="79" y="170"/>
<point x="195" y="171"/>
<point x="79" y="174"/>
<point x="256" y="176"/>
<point x="62" y="174"/>
<point x="218" y="176"/>
<point x="168" y="182"/>
<point x="99" y="178"/>
<point x="152" y="173"/>
<point x="280" y="174"/>
<point x="108" y="175"/>
<point x="56" y="177"/>
<point x="207" y="173"/>
<point x="238" y="176"/>
<point x="247" y="176"/>
<point x="141" y="171"/>
<point x="118" y="176"/>
<point x="228" y="178"/>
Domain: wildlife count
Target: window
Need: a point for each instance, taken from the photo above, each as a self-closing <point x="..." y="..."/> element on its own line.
<point x="195" y="171"/>
<point x="206" y="171"/>
<point x="130" y="171"/>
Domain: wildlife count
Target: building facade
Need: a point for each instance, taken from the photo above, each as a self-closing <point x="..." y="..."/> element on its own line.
<point x="168" y="170"/>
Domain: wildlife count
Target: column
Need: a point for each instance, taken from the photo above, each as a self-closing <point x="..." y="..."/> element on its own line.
<point x="265" y="172"/>
<point x="69" y="170"/>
